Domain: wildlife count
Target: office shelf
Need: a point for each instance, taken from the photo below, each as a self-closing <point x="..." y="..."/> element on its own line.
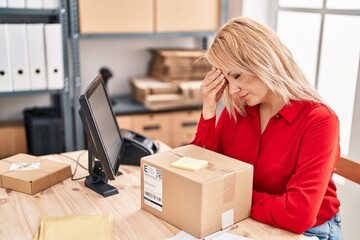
<point x="30" y="92"/>
<point x="76" y="37"/>
<point x="28" y="12"/>
<point x="61" y="97"/>
<point x="18" y="15"/>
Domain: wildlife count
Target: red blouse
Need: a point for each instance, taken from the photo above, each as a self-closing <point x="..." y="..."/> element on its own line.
<point x="294" y="159"/>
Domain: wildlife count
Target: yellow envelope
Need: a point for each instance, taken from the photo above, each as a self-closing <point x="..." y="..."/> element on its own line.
<point x="77" y="227"/>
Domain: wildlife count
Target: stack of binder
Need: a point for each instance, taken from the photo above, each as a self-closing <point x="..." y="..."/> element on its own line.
<point x="31" y="57"/>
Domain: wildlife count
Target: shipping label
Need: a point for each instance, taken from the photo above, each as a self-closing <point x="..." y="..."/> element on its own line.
<point x="153" y="187"/>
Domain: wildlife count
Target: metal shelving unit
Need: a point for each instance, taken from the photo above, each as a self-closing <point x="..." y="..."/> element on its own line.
<point x="61" y="97"/>
<point x="76" y="36"/>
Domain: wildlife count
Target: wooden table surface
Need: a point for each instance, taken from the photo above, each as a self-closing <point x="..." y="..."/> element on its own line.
<point x="20" y="213"/>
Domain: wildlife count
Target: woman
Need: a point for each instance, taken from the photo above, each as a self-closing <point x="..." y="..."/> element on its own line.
<point x="276" y="121"/>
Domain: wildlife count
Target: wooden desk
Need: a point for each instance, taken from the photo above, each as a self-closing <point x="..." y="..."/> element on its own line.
<point x="20" y="213"/>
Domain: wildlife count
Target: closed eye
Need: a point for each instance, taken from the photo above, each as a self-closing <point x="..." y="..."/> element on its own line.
<point x="234" y="75"/>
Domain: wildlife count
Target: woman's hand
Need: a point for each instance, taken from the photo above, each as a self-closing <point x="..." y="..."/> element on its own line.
<point x="212" y="89"/>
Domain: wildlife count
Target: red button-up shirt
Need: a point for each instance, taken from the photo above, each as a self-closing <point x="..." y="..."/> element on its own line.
<point x="294" y="159"/>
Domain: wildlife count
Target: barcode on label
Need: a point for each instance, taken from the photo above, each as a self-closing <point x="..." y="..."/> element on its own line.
<point x="152" y="196"/>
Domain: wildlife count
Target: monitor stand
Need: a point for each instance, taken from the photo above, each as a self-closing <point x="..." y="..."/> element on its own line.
<point x="97" y="180"/>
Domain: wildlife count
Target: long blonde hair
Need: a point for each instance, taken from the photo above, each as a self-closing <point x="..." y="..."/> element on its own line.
<point x="246" y="46"/>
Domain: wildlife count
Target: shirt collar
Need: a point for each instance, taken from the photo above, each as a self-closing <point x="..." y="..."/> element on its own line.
<point x="289" y="112"/>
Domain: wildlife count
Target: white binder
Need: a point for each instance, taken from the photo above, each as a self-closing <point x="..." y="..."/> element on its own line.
<point x="38" y="4"/>
<point x="16" y="3"/>
<point x="51" y="4"/>
<point x="3" y="3"/>
<point x="36" y="50"/>
<point x="54" y="56"/>
<point x="5" y="68"/>
<point x="19" y="57"/>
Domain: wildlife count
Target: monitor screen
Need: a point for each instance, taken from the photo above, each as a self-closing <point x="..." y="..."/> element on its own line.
<point x="106" y="126"/>
<point x="105" y="144"/>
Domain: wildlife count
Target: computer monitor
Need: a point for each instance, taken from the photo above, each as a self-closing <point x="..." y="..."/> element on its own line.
<point x="105" y="143"/>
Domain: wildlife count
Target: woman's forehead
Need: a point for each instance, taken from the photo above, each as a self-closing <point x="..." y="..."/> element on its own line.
<point x="230" y="71"/>
<point x="227" y="66"/>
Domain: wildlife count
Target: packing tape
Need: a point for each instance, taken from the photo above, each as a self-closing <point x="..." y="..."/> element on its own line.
<point x="229" y="187"/>
<point x="216" y="168"/>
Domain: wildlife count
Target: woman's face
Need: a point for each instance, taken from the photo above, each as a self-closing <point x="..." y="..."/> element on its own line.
<point x="248" y="87"/>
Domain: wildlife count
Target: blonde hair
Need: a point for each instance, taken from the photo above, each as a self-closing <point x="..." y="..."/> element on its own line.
<point x="246" y="46"/>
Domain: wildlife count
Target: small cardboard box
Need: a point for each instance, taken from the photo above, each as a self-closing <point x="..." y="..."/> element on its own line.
<point x="201" y="202"/>
<point x="178" y="65"/>
<point x="30" y="174"/>
<point x="159" y="95"/>
<point x="154" y="94"/>
<point x="145" y="87"/>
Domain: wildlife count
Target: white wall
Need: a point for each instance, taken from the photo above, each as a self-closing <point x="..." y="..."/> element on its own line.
<point x="235" y="8"/>
<point x="11" y="107"/>
<point x="262" y="10"/>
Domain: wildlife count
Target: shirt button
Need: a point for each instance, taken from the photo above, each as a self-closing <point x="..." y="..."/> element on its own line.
<point x="277" y="115"/>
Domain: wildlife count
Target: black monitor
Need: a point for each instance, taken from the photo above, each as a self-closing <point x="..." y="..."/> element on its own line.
<point x="105" y="143"/>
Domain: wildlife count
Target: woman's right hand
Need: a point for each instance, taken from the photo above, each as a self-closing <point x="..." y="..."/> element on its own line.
<point x="212" y="88"/>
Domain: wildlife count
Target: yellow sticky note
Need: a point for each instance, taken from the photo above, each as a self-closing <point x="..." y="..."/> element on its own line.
<point x="188" y="163"/>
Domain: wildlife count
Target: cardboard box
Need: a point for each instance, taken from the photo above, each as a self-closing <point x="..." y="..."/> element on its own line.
<point x="116" y="16"/>
<point x="30" y="174"/>
<point x="191" y="91"/>
<point x="187" y="15"/>
<point x="199" y="203"/>
<point x="178" y="65"/>
<point x="159" y="95"/>
<point x="144" y="87"/>
<point x="154" y="94"/>
<point x="12" y="139"/>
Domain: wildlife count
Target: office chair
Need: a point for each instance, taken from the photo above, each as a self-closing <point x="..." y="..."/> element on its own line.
<point x="348" y="169"/>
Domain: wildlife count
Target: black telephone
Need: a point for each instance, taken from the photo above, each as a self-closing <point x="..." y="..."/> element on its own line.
<point x="136" y="146"/>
